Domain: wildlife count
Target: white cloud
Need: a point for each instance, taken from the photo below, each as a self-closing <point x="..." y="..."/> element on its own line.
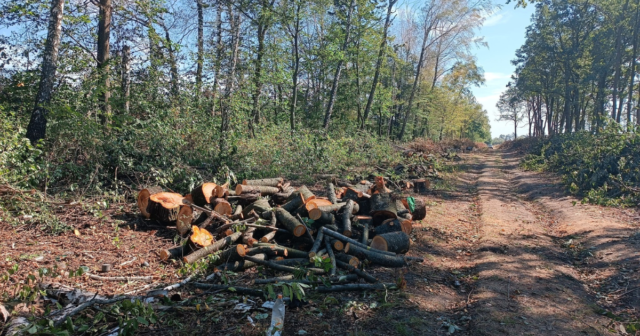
<point x="494" y="19"/>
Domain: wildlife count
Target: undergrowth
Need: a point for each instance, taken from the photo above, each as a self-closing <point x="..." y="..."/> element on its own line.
<point x="602" y="168"/>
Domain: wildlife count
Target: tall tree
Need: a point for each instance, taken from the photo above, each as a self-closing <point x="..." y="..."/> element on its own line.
<point x="104" y="37"/>
<point x="200" y="54"/>
<point x="36" y="130"/>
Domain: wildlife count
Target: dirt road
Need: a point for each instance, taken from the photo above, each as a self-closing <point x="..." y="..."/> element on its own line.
<point x="536" y="262"/>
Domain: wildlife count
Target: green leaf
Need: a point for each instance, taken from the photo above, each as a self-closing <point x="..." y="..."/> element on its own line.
<point x="142" y="320"/>
<point x="232" y="289"/>
<point x="33" y="329"/>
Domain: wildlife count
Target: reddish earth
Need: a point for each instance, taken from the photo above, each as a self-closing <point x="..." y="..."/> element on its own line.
<point x="506" y="252"/>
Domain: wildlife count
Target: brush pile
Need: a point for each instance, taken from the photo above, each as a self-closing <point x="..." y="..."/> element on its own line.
<point x="270" y="223"/>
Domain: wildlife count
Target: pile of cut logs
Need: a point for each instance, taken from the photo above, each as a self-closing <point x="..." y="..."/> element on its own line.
<point x="270" y="223"/>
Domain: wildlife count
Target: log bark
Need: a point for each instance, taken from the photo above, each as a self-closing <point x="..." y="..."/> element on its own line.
<point x="365" y="233"/>
<point x="290" y="222"/>
<point x="172" y="253"/>
<point x="203" y="194"/>
<point x="267" y="238"/>
<point x="164" y="207"/>
<point x="420" y="210"/>
<point x="233" y="253"/>
<point x="205" y="251"/>
<point x="247" y="237"/>
<point x="290" y="278"/>
<point x="374" y="256"/>
<point x="398" y="242"/>
<point x="327" y="244"/>
<point x="199" y="238"/>
<point x="394" y="225"/>
<point x="421" y="186"/>
<point x="185" y="218"/>
<point x="347" y="212"/>
<point x="316" y="244"/>
<point x="276" y="250"/>
<point x="221" y="206"/>
<point x="294" y="203"/>
<point x="233" y="289"/>
<point x="338" y="236"/>
<point x="282" y="196"/>
<point x="349" y="259"/>
<point x="331" y="191"/>
<point x="324" y="218"/>
<point x="268" y="182"/>
<point x="260" y="206"/>
<point x="382" y="208"/>
<point x="282" y="268"/>
<point x="317" y="212"/>
<point x="356" y="287"/>
<point x="263" y="190"/>
<point x="143" y="199"/>
<point x="244" y="199"/>
<point x="306" y="194"/>
<point x="222" y="191"/>
<point x="293" y="262"/>
<point x="307" y="233"/>
<point x="364" y="275"/>
<point x="240" y="265"/>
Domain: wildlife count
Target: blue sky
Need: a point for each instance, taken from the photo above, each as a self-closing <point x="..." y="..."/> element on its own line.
<point x="504" y="31"/>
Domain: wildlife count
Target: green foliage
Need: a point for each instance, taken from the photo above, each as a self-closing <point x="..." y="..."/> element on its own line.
<point x="289" y="289"/>
<point x="604" y="168"/>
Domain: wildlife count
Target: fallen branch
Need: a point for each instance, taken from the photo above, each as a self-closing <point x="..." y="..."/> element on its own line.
<point x="342" y="279"/>
<point x="234" y="289"/>
<point x="364" y="275"/>
<point x="353" y="242"/>
<point x="120" y="278"/>
<point x="178" y="285"/>
<point x="356" y="287"/>
<point x="283" y="268"/>
<point x="327" y="245"/>
<point x="205" y="251"/>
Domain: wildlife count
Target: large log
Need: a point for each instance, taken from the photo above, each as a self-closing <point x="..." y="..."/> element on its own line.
<point x="393" y="225"/>
<point x="164" y="206"/>
<point x="398" y="242"/>
<point x="221" y="206"/>
<point x="346" y="213"/>
<point x="383" y="207"/>
<point x="338" y="236"/>
<point x="233" y="253"/>
<point x="317" y="212"/>
<point x="374" y="256"/>
<point x="240" y="265"/>
<point x="143" y="199"/>
<point x="290" y="222"/>
<point x="263" y="190"/>
<point x="268" y="182"/>
<point x="172" y="253"/>
<point x="203" y="193"/>
<point x="205" y="251"/>
<point x="184" y="220"/>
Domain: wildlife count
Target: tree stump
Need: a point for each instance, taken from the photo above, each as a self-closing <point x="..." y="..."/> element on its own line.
<point x="383" y="207"/>
<point x="143" y="199"/>
<point x="398" y="242"/>
<point x="164" y="206"/>
<point x="421" y="186"/>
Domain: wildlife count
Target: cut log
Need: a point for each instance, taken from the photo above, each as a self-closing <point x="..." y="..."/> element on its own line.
<point x="421" y="186"/>
<point x="267" y="237"/>
<point x="164" y="206"/>
<point x="222" y="191"/>
<point x="247" y="237"/>
<point x="316" y="203"/>
<point x="316" y="244"/>
<point x="346" y="213"/>
<point x="203" y="193"/>
<point x="351" y="260"/>
<point x="221" y="206"/>
<point x="268" y="182"/>
<point x="200" y="238"/>
<point x="233" y="253"/>
<point x="374" y="256"/>
<point x="263" y="190"/>
<point x="276" y="250"/>
<point x="327" y="244"/>
<point x="364" y="275"/>
<point x="290" y="222"/>
<point x="185" y="218"/>
<point x="383" y="207"/>
<point x="244" y="199"/>
<point x="283" y="268"/>
<point x="331" y="191"/>
<point x="282" y="196"/>
<point x="143" y="199"/>
<point x="398" y="242"/>
<point x="317" y="212"/>
<point x="293" y="262"/>
<point x="294" y="203"/>
<point x="336" y="244"/>
<point x="379" y="186"/>
<point x="259" y="206"/>
<point x="420" y="210"/>
<point x="240" y="265"/>
<point x="352" y="194"/>
<point x="344" y="239"/>
<point x="324" y="217"/>
<point x="365" y="233"/>
<point x="237" y="213"/>
<point x="205" y="251"/>
<point x="394" y="225"/>
<point x="306" y="194"/>
<point x="172" y="253"/>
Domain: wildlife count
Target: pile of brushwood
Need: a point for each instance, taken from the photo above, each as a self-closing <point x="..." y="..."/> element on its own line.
<point x="267" y="222"/>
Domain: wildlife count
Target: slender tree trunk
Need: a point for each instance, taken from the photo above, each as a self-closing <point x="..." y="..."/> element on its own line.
<point x="381" y="53"/>
<point x="618" y="60"/>
<point x="230" y="83"/>
<point x="257" y="78"/>
<point x="634" y="56"/>
<point x="173" y="63"/>
<point x="126" y="77"/>
<point x="336" y="76"/>
<point x="296" y="67"/>
<point x="38" y="124"/>
<point x="104" y="34"/>
<point x="218" y="61"/>
<point x="415" y="83"/>
<point x="200" y="55"/>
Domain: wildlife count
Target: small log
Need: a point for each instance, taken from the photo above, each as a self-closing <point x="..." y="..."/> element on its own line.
<point x="245" y="222"/>
<point x="317" y="212"/>
<point x="172" y="253"/>
<point x="237" y="213"/>
<point x="331" y="191"/>
<point x="290" y="222"/>
<point x="247" y="237"/>
<point x="143" y="199"/>
<point x="283" y="268"/>
<point x="260" y="206"/>
<point x="276" y="250"/>
<point x="106" y="268"/>
<point x="316" y="244"/>
<point x="364" y="275"/>
<point x="240" y="265"/>
<point x="233" y="289"/>
<point x="347" y="212"/>
<point x="199" y="254"/>
<point x="263" y="190"/>
<point x="420" y="210"/>
<point x="382" y="208"/>
<point x="164" y="207"/>
<point x="364" y="239"/>
<point x="289" y="278"/>
<point x="338" y="236"/>
<point x="327" y="245"/>
<point x="199" y="238"/>
<point x="356" y="287"/>
<point x="268" y="182"/>
<point x="316" y="203"/>
<point x="351" y="260"/>
<point x="233" y="253"/>
<point x="293" y="262"/>
<point x="325" y="218"/>
<point x="222" y="191"/>
<point x="306" y="194"/>
<point x="282" y="196"/>
<point x="221" y="206"/>
<point x="374" y="256"/>
<point x="398" y="242"/>
<point x="244" y="199"/>
<point x="267" y="238"/>
<point x="210" y="213"/>
<point x="120" y="278"/>
<point x="421" y="186"/>
<point x="185" y="217"/>
<point x="203" y="194"/>
<point x="393" y="225"/>
<point x="337" y="244"/>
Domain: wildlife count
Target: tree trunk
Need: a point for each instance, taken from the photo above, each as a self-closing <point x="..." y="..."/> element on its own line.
<point x="200" y="56"/>
<point x="38" y="124"/>
<point x="296" y="67"/>
<point x="398" y="242"/>
<point x="230" y="83"/>
<point x="126" y="77"/>
<point x="618" y="60"/>
<point x="407" y="113"/>
<point x="104" y="34"/>
<point x="336" y="76"/>
<point x="218" y="60"/>
<point x="634" y="55"/>
<point x="175" y="90"/>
